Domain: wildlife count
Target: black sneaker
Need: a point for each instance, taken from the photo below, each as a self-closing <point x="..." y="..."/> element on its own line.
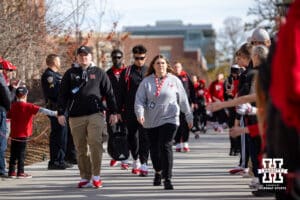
<point x="67" y="165"/>
<point x="56" y="166"/>
<point x="168" y="185"/>
<point x="157" y="179"/>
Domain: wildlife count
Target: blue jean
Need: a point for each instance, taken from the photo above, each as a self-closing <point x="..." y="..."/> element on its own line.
<point x="3" y="141"/>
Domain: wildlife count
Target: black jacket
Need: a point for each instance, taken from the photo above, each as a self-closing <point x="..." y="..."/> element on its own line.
<point x="83" y="91"/>
<point x="5" y="98"/>
<point x="116" y="85"/>
<point x="188" y="86"/>
<point x="129" y="88"/>
<point x="51" y="81"/>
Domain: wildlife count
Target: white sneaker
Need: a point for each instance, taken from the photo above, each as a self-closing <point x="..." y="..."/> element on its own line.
<point x="178" y="147"/>
<point x="254" y="184"/>
<point x="144" y="170"/>
<point x="136" y="165"/>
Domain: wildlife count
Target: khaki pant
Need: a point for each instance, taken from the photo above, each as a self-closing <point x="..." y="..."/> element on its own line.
<point x="87" y="135"/>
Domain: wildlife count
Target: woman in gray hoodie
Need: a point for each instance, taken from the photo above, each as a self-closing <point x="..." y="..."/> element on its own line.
<point x="158" y="102"/>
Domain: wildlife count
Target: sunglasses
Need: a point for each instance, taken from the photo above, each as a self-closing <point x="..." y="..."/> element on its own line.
<point x="117" y="57"/>
<point x="139" y="58"/>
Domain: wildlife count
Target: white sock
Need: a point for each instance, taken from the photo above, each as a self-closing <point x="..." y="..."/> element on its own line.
<point x="96" y="178"/>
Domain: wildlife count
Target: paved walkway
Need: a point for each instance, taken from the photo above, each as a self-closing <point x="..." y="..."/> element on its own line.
<point x="199" y="174"/>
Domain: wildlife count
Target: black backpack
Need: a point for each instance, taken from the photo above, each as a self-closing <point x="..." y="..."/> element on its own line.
<point x="117" y="145"/>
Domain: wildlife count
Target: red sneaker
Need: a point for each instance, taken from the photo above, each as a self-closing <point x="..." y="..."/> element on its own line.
<point x="84" y="184"/>
<point x="136" y="171"/>
<point x="236" y="170"/>
<point x="124" y="166"/>
<point x="113" y="163"/>
<point x="186" y="149"/>
<point x="24" y="175"/>
<point x="97" y="184"/>
<point x="12" y="175"/>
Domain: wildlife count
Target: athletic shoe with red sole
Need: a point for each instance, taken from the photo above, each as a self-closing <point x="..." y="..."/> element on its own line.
<point x="113" y="163"/>
<point x="124" y="166"/>
<point x="97" y="184"/>
<point x="84" y="184"/>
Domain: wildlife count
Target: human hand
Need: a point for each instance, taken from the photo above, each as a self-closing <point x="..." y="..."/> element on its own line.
<point x="236" y="131"/>
<point x="119" y="117"/>
<point x="61" y="120"/>
<point x="141" y="120"/>
<point x="215" y="106"/>
<point x="190" y="125"/>
<point x="113" y="119"/>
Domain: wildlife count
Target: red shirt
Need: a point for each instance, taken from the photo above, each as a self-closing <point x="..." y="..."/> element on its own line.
<point x="285" y="87"/>
<point x="216" y="90"/>
<point x="21" y="115"/>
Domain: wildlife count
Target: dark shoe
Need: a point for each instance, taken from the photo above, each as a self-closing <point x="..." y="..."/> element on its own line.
<point x="56" y="167"/>
<point x="67" y="165"/>
<point x="72" y="161"/>
<point x="157" y="179"/>
<point x="168" y="185"/>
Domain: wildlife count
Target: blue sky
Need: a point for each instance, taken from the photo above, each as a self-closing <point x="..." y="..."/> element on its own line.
<point x="143" y="12"/>
<point x="147" y="12"/>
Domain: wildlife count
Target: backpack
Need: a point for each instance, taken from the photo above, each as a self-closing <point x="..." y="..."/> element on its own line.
<point x="117" y="145"/>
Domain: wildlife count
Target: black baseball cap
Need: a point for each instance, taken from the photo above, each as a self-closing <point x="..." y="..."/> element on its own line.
<point x="84" y="49"/>
<point x="21" y="91"/>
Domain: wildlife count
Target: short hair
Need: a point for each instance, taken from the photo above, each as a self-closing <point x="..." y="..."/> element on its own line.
<point x="139" y="49"/>
<point x="116" y="51"/>
<point x="261" y="51"/>
<point x="50" y="59"/>
<point x="245" y="50"/>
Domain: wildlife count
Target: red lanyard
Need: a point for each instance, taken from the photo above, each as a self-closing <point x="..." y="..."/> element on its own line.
<point x="159" y="86"/>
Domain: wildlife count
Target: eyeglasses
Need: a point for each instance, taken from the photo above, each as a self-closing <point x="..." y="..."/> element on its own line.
<point x="116" y="57"/>
<point x="139" y="58"/>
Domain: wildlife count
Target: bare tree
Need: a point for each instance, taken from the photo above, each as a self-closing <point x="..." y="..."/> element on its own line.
<point x="230" y="37"/>
<point x="266" y="12"/>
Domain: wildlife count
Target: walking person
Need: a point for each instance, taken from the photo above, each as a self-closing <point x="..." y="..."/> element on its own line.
<point x="51" y="80"/>
<point x="84" y="87"/>
<point x="21" y="115"/>
<point x="5" y="102"/>
<point x="114" y="76"/>
<point x="137" y="138"/>
<point x="159" y="99"/>
<point x="183" y="132"/>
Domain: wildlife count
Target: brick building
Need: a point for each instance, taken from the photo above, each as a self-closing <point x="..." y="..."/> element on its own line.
<point x="193" y="45"/>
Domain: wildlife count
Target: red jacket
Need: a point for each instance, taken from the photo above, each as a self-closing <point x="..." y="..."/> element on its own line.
<point x="285" y="77"/>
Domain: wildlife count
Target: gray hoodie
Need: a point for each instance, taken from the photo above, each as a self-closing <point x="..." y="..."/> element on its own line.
<point x="165" y="108"/>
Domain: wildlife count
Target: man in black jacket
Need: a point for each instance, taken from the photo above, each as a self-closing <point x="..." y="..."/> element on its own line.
<point x="137" y="138"/>
<point x="82" y="88"/>
<point x="114" y="74"/>
<point x="5" y="102"/>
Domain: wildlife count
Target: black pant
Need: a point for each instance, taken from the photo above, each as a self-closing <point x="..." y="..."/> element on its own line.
<point x="161" y="148"/>
<point x="183" y="132"/>
<point x="138" y="141"/>
<point x="17" y="154"/>
<point x="58" y="142"/>
<point x="220" y="116"/>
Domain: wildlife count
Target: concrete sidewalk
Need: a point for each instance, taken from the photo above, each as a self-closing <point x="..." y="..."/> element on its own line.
<point x="199" y="174"/>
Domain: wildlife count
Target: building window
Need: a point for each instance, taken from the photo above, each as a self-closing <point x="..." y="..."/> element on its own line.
<point x="194" y="36"/>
